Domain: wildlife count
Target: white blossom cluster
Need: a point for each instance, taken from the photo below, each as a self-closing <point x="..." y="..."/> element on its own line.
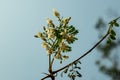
<point x="57" y="38"/>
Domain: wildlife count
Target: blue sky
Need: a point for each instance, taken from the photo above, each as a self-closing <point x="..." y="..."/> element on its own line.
<point x="21" y="55"/>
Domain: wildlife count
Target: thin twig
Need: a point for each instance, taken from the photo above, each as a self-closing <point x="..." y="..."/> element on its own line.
<point x="49" y="63"/>
<point x="45" y="77"/>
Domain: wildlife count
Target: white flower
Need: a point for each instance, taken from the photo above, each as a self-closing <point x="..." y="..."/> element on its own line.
<point x="66" y="20"/>
<point x="55" y="13"/>
<point x="45" y="45"/>
<point x="49" y="21"/>
<point x="50" y="30"/>
<point x="62" y="46"/>
<point x="70" y="38"/>
<point x="40" y="35"/>
<point x="49" y="52"/>
<point x="58" y="55"/>
<point x="51" y="36"/>
<point x="64" y="34"/>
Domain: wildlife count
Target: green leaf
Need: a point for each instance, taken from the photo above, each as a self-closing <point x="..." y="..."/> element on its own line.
<point x="102" y="68"/>
<point x="36" y="36"/>
<point x="57" y="34"/>
<point x="116" y="24"/>
<point x="71" y="70"/>
<point x="69" y="49"/>
<point x="69" y="75"/>
<point x="78" y="74"/>
<point x="108" y="41"/>
<point x="74" y="32"/>
<point x="78" y="67"/>
<point x="97" y="62"/>
<point x="75" y="63"/>
<point x="112" y="37"/>
<point x="61" y="62"/>
<point x="44" y="28"/>
<point x="113" y="32"/>
<point x="65" y="71"/>
<point x="62" y="74"/>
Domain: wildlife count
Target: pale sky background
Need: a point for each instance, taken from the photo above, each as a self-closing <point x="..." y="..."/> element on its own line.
<point x="21" y="55"/>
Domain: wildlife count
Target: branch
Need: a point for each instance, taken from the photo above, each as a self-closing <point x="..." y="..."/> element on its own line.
<point x="46" y="77"/>
<point x="108" y="32"/>
<point x="83" y="54"/>
<point x="80" y="56"/>
<point x="86" y="53"/>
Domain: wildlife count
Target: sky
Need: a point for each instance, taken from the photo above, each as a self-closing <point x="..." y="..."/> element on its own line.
<point x="21" y="55"/>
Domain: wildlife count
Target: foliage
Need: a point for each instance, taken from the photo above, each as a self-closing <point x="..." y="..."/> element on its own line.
<point x="107" y="50"/>
<point x="73" y="71"/>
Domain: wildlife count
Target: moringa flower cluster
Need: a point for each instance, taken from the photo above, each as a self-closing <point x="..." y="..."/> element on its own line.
<point x="57" y="38"/>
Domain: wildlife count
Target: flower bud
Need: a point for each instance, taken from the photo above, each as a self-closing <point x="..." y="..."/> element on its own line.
<point x="55" y="13"/>
<point x="40" y="35"/>
<point x="49" y="21"/>
<point x="63" y="46"/>
<point x="50" y="30"/>
<point x="44" y="45"/>
<point x="49" y="52"/>
<point x="65" y="57"/>
<point x="50" y="36"/>
<point x="58" y="55"/>
<point x="66" y="21"/>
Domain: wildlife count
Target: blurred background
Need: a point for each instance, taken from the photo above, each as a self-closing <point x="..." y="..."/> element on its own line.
<point x="23" y="58"/>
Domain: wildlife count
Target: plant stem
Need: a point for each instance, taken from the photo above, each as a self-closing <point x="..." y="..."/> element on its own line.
<point x="50" y="66"/>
